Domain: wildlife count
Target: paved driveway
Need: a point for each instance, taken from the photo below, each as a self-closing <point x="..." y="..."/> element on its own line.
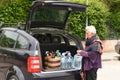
<point x="111" y="67"/>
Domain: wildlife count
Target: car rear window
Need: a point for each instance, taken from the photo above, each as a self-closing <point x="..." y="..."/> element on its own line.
<point x="49" y="15"/>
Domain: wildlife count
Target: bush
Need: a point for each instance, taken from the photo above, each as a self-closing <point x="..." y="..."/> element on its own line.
<point x="14" y="11"/>
<point x="115" y="17"/>
<point x="97" y="14"/>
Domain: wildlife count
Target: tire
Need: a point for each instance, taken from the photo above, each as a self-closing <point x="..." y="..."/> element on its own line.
<point x="13" y="77"/>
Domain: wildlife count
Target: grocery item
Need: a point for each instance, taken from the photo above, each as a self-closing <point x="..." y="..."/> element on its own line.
<point x="69" y="60"/>
<point x="77" y="61"/>
<point x="52" y="61"/>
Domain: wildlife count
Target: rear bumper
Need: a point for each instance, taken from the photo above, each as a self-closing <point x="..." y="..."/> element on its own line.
<point x="55" y="74"/>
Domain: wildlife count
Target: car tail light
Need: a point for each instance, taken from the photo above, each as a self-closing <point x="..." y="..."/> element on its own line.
<point x="34" y="64"/>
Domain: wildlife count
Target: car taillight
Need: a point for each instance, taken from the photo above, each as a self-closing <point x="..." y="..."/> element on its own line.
<point x="34" y="64"/>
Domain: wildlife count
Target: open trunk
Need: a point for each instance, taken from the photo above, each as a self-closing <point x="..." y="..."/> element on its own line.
<point x="50" y="44"/>
<point x="53" y="15"/>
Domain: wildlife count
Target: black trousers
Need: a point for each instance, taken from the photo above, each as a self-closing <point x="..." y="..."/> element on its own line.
<point x="91" y="74"/>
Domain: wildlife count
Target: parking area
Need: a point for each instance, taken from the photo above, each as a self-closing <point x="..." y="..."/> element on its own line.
<point x="110" y="67"/>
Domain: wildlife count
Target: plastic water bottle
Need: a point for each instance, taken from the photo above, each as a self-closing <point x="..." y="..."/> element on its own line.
<point x="77" y="62"/>
<point x="63" y="60"/>
<point x="69" y="60"/>
<point x="58" y="53"/>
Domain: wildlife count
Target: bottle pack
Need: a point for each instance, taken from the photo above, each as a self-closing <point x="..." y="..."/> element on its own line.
<point x="77" y="62"/>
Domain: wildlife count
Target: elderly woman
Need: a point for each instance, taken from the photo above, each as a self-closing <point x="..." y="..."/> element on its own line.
<point x="91" y="54"/>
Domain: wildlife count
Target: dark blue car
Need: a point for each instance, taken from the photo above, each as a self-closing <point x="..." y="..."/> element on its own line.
<point x="23" y="52"/>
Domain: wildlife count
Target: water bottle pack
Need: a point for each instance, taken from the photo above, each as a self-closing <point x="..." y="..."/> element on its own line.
<point x="69" y="62"/>
<point x="63" y="61"/>
<point x="77" y="62"/>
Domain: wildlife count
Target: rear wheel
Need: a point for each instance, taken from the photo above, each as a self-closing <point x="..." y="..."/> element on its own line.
<point x="13" y="77"/>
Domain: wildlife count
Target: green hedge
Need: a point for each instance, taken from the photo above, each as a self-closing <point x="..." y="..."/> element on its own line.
<point x="115" y="17"/>
<point x="14" y="11"/>
<point x="97" y="14"/>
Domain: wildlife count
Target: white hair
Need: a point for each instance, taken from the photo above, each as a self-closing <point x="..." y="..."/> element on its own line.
<point x="91" y="28"/>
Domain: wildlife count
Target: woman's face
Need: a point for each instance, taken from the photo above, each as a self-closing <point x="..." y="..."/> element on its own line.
<point x="88" y="34"/>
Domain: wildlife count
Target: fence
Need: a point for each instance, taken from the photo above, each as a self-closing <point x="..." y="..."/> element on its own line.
<point x="17" y="25"/>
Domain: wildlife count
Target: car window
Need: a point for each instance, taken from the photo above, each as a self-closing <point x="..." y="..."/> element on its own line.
<point x="56" y="38"/>
<point x="8" y="39"/>
<point x="22" y="42"/>
<point x="71" y="42"/>
<point x="44" y="15"/>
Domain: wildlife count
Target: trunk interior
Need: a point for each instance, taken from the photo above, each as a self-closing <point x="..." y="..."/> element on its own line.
<point x="51" y="43"/>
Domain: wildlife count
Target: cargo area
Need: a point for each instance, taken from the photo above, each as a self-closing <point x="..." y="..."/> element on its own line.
<point x="49" y="47"/>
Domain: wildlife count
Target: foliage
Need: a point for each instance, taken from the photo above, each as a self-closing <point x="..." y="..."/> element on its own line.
<point x="113" y="21"/>
<point x="97" y="14"/>
<point x="14" y="11"/>
<point x="76" y="24"/>
<point x="115" y="17"/>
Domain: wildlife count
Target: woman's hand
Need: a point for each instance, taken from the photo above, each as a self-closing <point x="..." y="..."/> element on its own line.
<point x="82" y="74"/>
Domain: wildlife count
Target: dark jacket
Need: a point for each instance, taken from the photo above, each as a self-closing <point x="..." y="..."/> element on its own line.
<point x="92" y="58"/>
